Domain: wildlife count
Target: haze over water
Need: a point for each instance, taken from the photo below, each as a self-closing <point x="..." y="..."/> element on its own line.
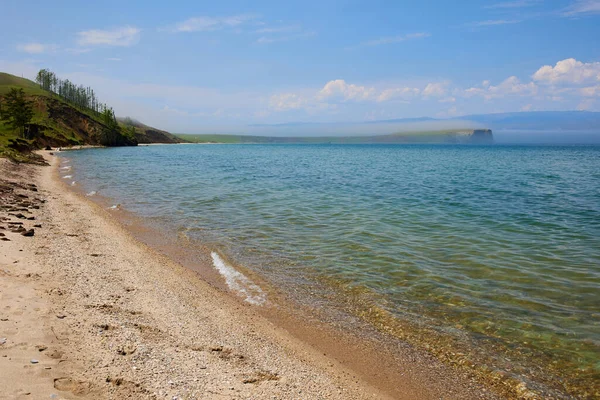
<point x="498" y="242"/>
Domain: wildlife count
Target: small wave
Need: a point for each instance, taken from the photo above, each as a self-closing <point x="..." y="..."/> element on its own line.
<point x="93" y="192"/>
<point x="238" y="282"/>
<point x="67" y="176"/>
<point x="73" y="183"/>
<point x="67" y="168"/>
<point x="114" y="207"/>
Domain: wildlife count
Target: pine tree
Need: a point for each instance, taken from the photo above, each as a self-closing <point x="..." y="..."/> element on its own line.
<point x="80" y="96"/>
<point x="18" y="110"/>
<point x="111" y="129"/>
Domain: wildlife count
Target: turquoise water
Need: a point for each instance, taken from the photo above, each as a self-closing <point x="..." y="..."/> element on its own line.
<point x="499" y="242"/>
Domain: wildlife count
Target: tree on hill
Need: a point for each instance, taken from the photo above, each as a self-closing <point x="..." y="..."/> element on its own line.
<point x="111" y="131"/>
<point x="17" y="111"/>
<point x="83" y="97"/>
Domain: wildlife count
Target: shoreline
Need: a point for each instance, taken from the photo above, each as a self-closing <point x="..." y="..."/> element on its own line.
<point x="128" y="308"/>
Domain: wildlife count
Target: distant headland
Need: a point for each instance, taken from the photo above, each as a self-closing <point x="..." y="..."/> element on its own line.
<point x="459" y="136"/>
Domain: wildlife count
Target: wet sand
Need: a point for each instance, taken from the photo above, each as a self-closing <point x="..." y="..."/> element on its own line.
<point x="87" y="311"/>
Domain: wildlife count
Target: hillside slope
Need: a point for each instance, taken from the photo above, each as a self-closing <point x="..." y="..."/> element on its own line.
<point x="147" y="134"/>
<point x="58" y="123"/>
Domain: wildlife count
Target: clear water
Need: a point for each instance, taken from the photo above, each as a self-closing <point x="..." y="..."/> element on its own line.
<point x="499" y="242"/>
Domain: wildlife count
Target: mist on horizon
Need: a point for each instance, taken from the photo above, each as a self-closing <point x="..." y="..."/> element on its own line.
<point x="337" y="129"/>
<point x="378" y="128"/>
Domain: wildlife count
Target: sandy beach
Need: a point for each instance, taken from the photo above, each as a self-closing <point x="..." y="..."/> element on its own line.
<point x="89" y="312"/>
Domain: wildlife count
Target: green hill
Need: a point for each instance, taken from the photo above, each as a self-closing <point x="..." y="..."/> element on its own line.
<point x="443" y="136"/>
<point x="147" y="134"/>
<point x="7" y="81"/>
<point x="58" y="123"/>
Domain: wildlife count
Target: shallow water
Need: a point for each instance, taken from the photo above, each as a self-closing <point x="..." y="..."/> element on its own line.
<point x="498" y="242"/>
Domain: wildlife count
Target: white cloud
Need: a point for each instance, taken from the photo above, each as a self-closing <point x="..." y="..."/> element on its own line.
<point x="394" y="93"/>
<point x="286" y="101"/>
<point x="448" y="100"/>
<point x="123" y="36"/>
<point x="583" y="7"/>
<point x="511" y="86"/>
<point x="435" y="89"/>
<point x="590" y="91"/>
<point x="37" y="48"/>
<point x="340" y="89"/>
<point x="205" y="24"/>
<point x="568" y="71"/>
<point x="394" y="39"/>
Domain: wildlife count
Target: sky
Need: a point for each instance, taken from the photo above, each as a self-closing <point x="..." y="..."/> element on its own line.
<point x="199" y="66"/>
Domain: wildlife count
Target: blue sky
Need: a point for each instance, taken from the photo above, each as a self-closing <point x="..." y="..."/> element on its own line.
<point x="213" y="66"/>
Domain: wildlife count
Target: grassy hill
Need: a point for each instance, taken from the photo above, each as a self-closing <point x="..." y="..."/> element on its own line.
<point x="442" y="136"/>
<point x="58" y="123"/>
<point x="148" y="134"/>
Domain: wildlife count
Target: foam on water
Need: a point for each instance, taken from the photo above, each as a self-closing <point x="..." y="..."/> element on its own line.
<point x="238" y="282"/>
<point x="67" y="176"/>
<point x="92" y="193"/>
<point x="73" y="183"/>
<point x="65" y="168"/>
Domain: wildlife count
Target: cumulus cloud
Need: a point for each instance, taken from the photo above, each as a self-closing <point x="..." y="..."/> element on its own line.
<point x="510" y="86"/>
<point x="513" y="85"/>
<point x="340" y="89"/>
<point x="568" y="71"/>
<point x="450" y="99"/>
<point x="394" y="93"/>
<point x="435" y="89"/>
<point x="123" y="36"/>
<point x="37" y="48"/>
<point x="205" y="23"/>
<point x="286" y="101"/>
<point x="590" y="91"/>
